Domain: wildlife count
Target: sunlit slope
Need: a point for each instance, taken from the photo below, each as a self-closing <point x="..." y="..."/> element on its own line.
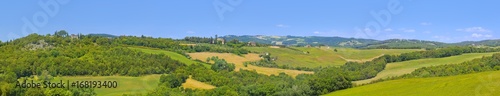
<point x="126" y="84"/>
<point x="401" y="68"/>
<point x="477" y="84"/>
<point x="324" y="56"/>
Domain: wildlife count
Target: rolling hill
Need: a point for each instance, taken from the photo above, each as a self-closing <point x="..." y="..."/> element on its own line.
<point x="477" y="84"/>
<point x="173" y="55"/>
<point x="324" y="56"/>
<point x="406" y="67"/>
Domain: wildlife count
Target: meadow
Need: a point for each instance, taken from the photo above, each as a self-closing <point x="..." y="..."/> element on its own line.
<point x="126" y="84"/>
<point x="477" y="84"/>
<point x="132" y="85"/>
<point x="406" y="67"/>
<point x="324" y="56"/>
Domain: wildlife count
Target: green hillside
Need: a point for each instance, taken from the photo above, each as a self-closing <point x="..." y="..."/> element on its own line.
<point x="173" y="55"/>
<point x="324" y="56"/>
<point x="297" y="58"/>
<point x="478" y="84"/>
<point x="401" y="68"/>
<point x="360" y="54"/>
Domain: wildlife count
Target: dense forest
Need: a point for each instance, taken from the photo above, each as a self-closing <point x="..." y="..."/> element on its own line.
<point x="59" y="54"/>
<point x="87" y="56"/>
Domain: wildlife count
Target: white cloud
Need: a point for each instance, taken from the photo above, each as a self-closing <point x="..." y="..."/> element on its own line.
<point x="407" y="30"/>
<point x="474" y="29"/>
<point x="190" y="32"/>
<point x="442" y="38"/>
<point x="395" y="36"/>
<point x="477" y="35"/>
<point x="425" y="23"/>
<point x="368" y="30"/>
<point x="317" y="32"/>
<point x="488" y="36"/>
<point x="388" y="30"/>
<point x="282" y="26"/>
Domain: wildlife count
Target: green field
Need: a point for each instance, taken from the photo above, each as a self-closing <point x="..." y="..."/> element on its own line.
<point x="477" y="84"/>
<point x="126" y="84"/>
<point x="173" y="55"/>
<point x="351" y="53"/>
<point x="401" y="68"/>
<point x="324" y="56"/>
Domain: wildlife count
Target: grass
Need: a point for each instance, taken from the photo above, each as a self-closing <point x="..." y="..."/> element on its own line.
<point x="477" y="84"/>
<point x="173" y="55"/>
<point x="238" y="61"/>
<point x="401" y="68"/>
<point x="324" y="56"/>
<point x="126" y="84"/>
<point x="132" y="85"/>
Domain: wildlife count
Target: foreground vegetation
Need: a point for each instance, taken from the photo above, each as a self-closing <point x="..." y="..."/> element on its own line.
<point x="127" y="84"/>
<point x="478" y="84"/>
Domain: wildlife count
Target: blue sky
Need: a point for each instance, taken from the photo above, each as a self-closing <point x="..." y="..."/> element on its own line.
<point x="444" y="20"/>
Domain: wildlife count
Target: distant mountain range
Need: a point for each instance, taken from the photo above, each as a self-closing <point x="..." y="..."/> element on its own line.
<point x="354" y="42"/>
<point x="347" y="42"/>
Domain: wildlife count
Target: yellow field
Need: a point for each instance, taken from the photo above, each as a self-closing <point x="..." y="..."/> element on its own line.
<point x="195" y="84"/>
<point x="238" y="61"/>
